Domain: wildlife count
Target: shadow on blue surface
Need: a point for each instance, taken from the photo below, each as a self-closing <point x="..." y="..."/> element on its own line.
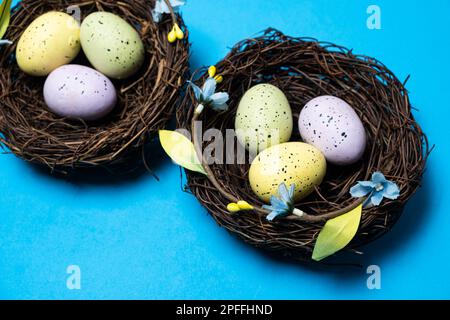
<point x="348" y="266"/>
<point x="154" y="156"/>
<point x="135" y="237"/>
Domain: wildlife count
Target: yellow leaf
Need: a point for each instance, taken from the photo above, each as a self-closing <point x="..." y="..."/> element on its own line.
<point x="181" y="150"/>
<point x="337" y="233"/>
<point x="5" y="14"/>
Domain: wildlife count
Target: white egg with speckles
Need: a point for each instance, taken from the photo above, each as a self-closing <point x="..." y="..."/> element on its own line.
<point x="292" y="163"/>
<point x="79" y="92"/>
<point x="263" y="118"/>
<point x="112" y="45"/>
<point x="332" y="125"/>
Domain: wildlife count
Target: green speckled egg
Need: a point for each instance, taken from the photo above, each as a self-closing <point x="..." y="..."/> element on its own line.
<point x="50" y="41"/>
<point x="291" y="162"/>
<point x="112" y="45"/>
<point x="263" y="118"/>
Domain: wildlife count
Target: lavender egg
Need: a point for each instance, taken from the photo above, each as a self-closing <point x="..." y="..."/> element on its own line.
<point x="332" y="126"/>
<point x="79" y="92"/>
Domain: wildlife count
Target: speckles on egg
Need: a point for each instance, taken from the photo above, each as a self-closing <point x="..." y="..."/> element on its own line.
<point x="50" y="41"/>
<point x="263" y="118"/>
<point x="331" y="125"/>
<point x="291" y="162"/>
<point x="112" y="45"/>
<point x="76" y="91"/>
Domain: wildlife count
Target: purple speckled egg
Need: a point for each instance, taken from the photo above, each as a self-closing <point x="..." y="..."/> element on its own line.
<point x="79" y="92"/>
<point x="332" y="126"/>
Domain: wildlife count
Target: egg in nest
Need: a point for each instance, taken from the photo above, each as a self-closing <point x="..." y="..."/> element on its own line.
<point x="263" y="118"/>
<point x="292" y="163"/>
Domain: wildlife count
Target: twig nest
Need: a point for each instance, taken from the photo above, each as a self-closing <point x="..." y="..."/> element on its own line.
<point x="304" y="69"/>
<point x="146" y="94"/>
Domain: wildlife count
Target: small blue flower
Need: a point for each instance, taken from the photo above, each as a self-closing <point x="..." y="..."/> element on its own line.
<point x="161" y="8"/>
<point x="207" y="96"/>
<point x="283" y="205"/>
<point x="376" y="189"/>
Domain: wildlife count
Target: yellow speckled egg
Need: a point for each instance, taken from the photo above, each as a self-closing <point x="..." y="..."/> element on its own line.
<point x="291" y="162"/>
<point x="50" y="41"/>
<point x="112" y="45"/>
<point x="263" y="118"/>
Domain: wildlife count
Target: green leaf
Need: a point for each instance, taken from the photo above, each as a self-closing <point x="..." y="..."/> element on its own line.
<point x="181" y="150"/>
<point x="5" y="14"/>
<point x="337" y="233"/>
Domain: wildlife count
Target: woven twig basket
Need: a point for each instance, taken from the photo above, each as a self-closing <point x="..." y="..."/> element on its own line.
<point x="145" y="102"/>
<point x="303" y="69"/>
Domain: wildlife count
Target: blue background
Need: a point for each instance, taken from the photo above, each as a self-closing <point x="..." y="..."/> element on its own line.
<point x="140" y="238"/>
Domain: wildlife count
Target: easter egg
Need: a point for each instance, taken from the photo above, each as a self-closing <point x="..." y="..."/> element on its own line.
<point x="263" y="118"/>
<point x="292" y="163"/>
<point x="80" y="92"/>
<point x="331" y="125"/>
<point x="50" y="41"/>
<point x="112" y="45"/>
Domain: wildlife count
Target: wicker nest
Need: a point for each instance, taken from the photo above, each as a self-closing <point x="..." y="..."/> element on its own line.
<point x="146" y="101"/>
<point x="304" y="69"/>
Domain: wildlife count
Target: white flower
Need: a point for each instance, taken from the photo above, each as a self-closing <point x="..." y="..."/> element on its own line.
<point x="161" y="8"/>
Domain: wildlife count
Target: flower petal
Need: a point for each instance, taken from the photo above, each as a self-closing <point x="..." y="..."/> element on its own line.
<point x="197" y="91"/>
<point x="156" y="16"/>
<point x="391" y="190"/>
<point x="291" y="191"/>
<point x="158" y="11"/>
<point x="376" y="198"/>
<point x="274" y="205"/>
<point x="284" y="193"/>
<point x="161" y="8"/>
<point x="271" y="216"/>
<point x="219" y="98"/>
<point x="209" y="88"/>
<point x="268" y="208"/>
<point x="220" y="107"/>
<point x="360" y="190"/>
<point x="378" y="177"/>
<point x="278" y="204"/>
<point x="367" y="184"/>
<point x="177" y="3"/>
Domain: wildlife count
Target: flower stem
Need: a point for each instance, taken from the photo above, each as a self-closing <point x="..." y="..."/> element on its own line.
<point x="172" y="13"/>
